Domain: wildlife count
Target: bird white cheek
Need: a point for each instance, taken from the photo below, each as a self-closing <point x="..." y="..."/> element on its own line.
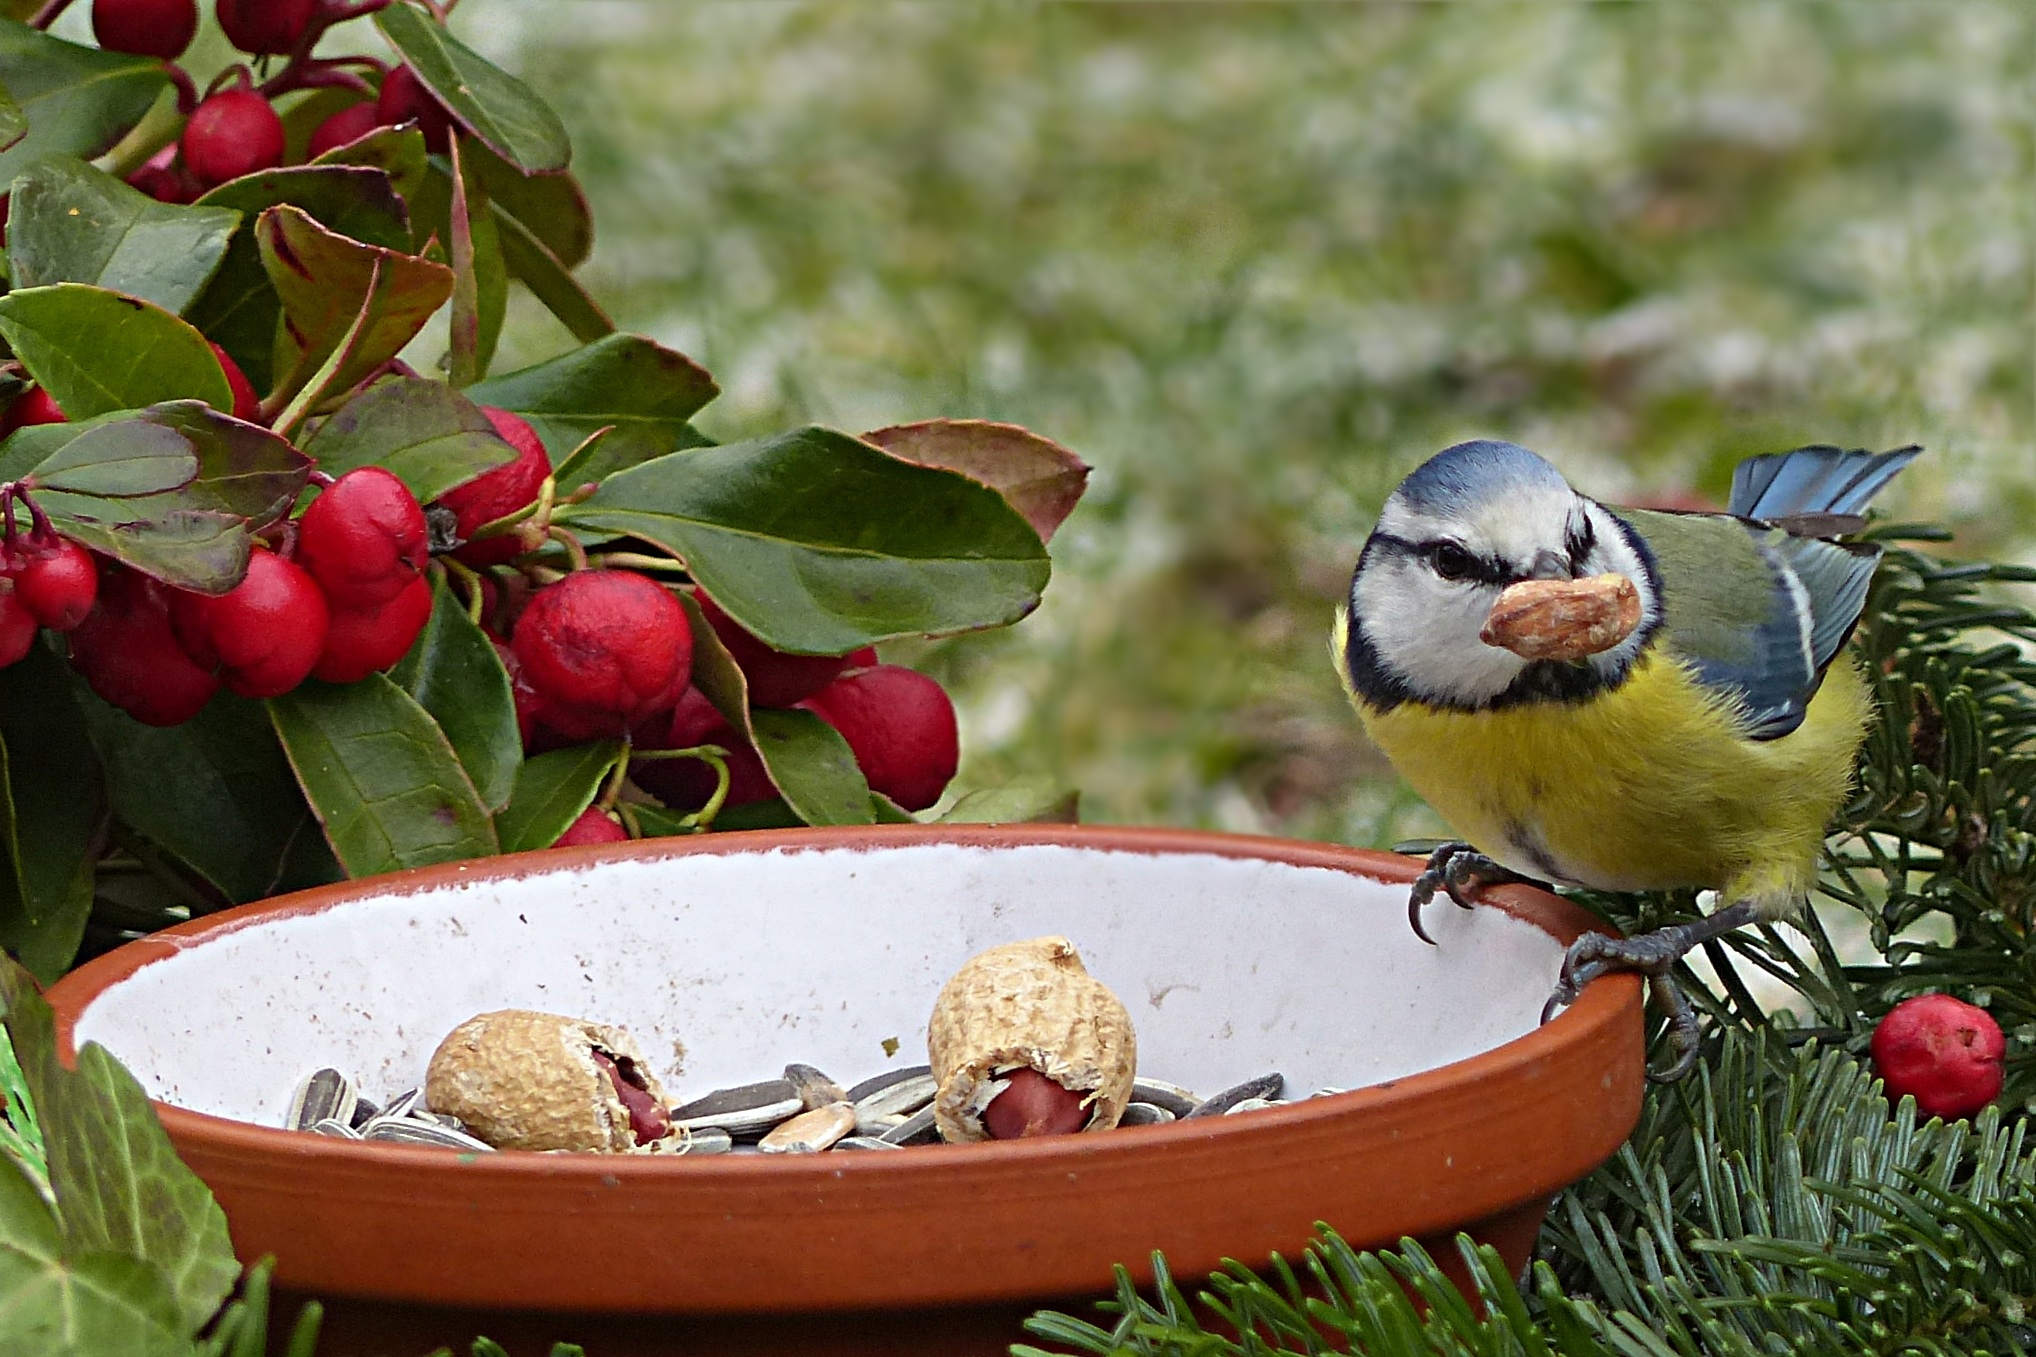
<point x="1426" y="632"/>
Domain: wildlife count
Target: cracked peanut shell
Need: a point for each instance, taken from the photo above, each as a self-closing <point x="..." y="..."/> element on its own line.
<point x="1028" y="1003"/>
<point x="521" y="1080"/>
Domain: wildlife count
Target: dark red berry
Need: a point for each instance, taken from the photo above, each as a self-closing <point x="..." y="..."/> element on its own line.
<point x="17" y="628"/>
<point x="59" y="587"/>
<point x="128" y="654"/>
<point x="900" y="726"/>
<point x="776" y="679"/>
<point x="264" y="27"/>
<point x="145" y="28"/>
<point x="594" y="826"/>
<point x="363" y="539"/>
<point x="163" y="184"/>
<point x="405" y="99"/>
<point x="33" y="406"/>
<point x="500" y="492"/>
<point x="687" y="784"/>
<point x="348" y="125"/>
<point x="604" y="650"/>
<point x="246" y="404"/>
<point x="1033" y="1105"/>
<point x="529" y="708"/>
<point x="233" y="133"/>
<point x="1944" y="1051"/>
<point x="264" y="634"/>
<point x="361" y="641"/>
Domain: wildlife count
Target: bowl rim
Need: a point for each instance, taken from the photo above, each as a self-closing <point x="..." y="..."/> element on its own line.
<point x="1605" y="1004"/>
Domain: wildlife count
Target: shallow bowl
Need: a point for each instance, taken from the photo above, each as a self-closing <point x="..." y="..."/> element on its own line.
<point x="728" y="956"/>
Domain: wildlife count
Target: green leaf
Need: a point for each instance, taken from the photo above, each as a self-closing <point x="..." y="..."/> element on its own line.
<point x="120" y="1188"/>
<point x="813" y="766"/>
<point x="658" y="823"/>
<point x="771" y="814"/>
<point x="551" y="792"/>
<point x="121" y="459"/>
<point x="97" y="351"/>
<point x="498" y="108"/>
<point x="52" y="805"/>
<point x="1041" y="479"/>
<point x="242" y="468"/>
<point x="197" y="549"/>
<point x="396" y="151"/>
<point x="426" y="433"/>
<point x="480" y="289"/>
<point x="549" y="207"/>
<point x="533" y="264"/>
<point x="78" y="100"/>
<point x="325" y="280"/>
<point x="215" y="791"/>
<point x="455" y="674"/>
<point x="240" y="308"/>
<point x="889" y="812"/>
<point x="13" y="121"/>
<point x="381" y="777"/>
<point x="1024" y="800"/>
<point x="645" y="391"/>
<point x="819" y="543"/>
<point x="55" y="1304"/>
<point x="70" y="223"/>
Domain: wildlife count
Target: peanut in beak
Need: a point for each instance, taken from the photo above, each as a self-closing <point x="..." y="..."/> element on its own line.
<point x="1563" y="619"/>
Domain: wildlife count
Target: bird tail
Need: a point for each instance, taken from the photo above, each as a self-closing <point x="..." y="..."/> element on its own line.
<point x="1816" y="482"/>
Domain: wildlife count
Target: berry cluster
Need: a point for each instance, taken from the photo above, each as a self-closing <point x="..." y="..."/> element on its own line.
<point x="232" y="128"/>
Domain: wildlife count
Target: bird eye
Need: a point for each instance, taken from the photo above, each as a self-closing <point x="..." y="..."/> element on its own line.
<point x="1451" y="561"/>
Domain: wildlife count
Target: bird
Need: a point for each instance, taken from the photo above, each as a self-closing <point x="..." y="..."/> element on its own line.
<point x="1619" y="699"/>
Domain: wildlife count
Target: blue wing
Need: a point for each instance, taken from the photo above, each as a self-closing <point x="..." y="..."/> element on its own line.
<point x="1813" y="481"/>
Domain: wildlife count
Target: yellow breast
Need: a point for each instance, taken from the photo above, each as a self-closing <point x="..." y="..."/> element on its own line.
<point x="1647" y="786"/>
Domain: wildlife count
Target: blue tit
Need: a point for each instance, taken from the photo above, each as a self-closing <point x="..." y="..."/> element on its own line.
<point x="1620" y="699"/>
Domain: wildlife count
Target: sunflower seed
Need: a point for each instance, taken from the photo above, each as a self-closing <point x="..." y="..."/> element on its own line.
<point x="1327" y="1092"/>
<point x="402" y="1103"/>
<point x="900" y="1099"/>
<point x="877" y="1083"/>
<point x="712" y="1140"/>
<point x="1253" y="1105"/>
<point x="864" y="1143"/>
<point x="815" y="1089"/>
<point x="403" y="1131"/>
<point x="917" y="1129"/>
<point x="323" y="1095"/>
<point x="810" y="1131"/>
<point x="338" y="1130"/>
<point x="742" y="1111"/>
<point x="1172" y="1097"/>
<point x="365" y="1110"/>
<point x="1265" y="1086"/>
<point x="1145" y="1114"/>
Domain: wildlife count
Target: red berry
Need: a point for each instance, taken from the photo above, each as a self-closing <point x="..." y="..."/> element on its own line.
<point x="405" y="99"/>
<point x="776" y="679"/>
<point x="1942" y="1050"/>
<point x="1031" y="1104"/>
<point x="359" y="641"/>
<point x="264" y="634"/>
<point x="264" y="27"/>
<point x="348" y="125"/>
<point x="163" y="184"/>
<point x="145" y="28"/>
<point x="363" y="539"/>
<point x="59" y="587"/>
<point x="127" y="652"/>
<point x="17" y="628"/>
<point x="594" y="826"/>
<point x="603" y="650"/>
<point x="529" y="708"/>
<point x="499" y="492"/>
<point x="687" y="784"/>
<point x="246" y="404"/>
<point x="33" y="406"/>
<point x="233" y="133"/>
<point x="900" y="725"/>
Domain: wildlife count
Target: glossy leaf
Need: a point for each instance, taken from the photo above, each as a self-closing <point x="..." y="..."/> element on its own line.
<point x="52" y="805"/>
<point x="216" y="791"/>
<point x="13" y="120"/>
<point x="70" y="223"/>
<point x="424" y="432"/>
<point x="242" y="469"/>
<point x="819" y="543"/>
<point x="201" y="550"/>
<point x="380" y="776"/>
<point x="77" y="100"/>
<point x="396" y="151"/>
<point x="551" y="792"/>
<point x="1041" y="479"/>
<point x="812" y="766"/>
<point x="120" y="459"/>
<point x="1020" y="801"/>
<point x="498" y="108"/>
<point x="658" y="823"/>
<point x="120" y="1188"/>
<point x="55" y="1302"/>
<point x="97" y="351"/>
<point x="325" y="279"/>
<point x="550" y="207"/>
<point x="771" y="814"/>
<point x="455" y="674"/>
<point x="533" y="264"/>
<point x="480" y="289"/>
<point x="641" y="389"/>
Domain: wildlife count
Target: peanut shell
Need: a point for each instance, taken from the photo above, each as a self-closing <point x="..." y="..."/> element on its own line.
<point x="1031" y="1004"/>
<point x="1563" y="619"/>
<point x="528" y="1081"/>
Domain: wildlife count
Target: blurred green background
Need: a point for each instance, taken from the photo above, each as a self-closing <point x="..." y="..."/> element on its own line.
<point x="1254" y="262"/>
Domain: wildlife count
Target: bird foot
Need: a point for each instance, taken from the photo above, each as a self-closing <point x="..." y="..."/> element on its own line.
<point x="1653" y="955"/>
<point x="1459" y="871"/>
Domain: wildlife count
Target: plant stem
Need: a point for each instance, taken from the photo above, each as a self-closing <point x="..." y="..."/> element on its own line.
<point x="49" y="13"/>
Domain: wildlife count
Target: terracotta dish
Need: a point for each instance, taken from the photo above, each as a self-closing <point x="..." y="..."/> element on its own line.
<point x="729" y="955"/>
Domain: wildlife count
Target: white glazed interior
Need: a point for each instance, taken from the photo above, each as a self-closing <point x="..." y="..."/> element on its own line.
<point x="727" y="966"/>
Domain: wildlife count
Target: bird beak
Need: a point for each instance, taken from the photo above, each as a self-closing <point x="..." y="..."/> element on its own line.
<point x="1544" y="619"/>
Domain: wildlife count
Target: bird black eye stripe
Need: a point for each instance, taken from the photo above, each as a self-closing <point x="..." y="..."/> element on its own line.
<point x="1454" y="561"/>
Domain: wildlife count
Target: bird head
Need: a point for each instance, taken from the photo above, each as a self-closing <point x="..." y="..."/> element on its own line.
<point x="1488" y="572"/>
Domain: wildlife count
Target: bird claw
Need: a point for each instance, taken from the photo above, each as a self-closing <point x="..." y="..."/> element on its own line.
<point x="1459" y="871"/>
